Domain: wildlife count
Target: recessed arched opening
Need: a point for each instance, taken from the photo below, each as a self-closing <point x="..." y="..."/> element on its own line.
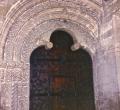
<point x="61" y="79"/>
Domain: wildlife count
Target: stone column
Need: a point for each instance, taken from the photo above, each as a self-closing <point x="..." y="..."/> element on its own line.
<point x="106" y="66"/>
<point x="116" y="25"/>
<point x="107" y="84"/>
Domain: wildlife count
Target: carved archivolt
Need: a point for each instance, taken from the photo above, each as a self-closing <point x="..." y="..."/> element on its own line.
<point x="26" y="17"/>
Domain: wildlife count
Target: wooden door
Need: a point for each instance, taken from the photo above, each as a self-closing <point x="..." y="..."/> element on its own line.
<point x="61" y="79"/>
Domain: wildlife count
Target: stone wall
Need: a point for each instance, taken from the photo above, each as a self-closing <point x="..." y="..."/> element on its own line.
<point x="27" y="24"/>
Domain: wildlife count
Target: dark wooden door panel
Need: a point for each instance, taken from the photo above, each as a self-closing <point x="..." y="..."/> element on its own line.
<point x="61" y="79"/>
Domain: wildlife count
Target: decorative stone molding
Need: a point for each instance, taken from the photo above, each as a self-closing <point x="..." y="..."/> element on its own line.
<point x="75" y="47"/>
<point x="44" y="35"/>
<point x="30" y="23"/>
<point x="33" y="13"/>
<point x="111" y="7"/>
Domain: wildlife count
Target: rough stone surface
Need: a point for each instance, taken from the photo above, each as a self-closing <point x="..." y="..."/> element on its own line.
<point x="27" y="24"/>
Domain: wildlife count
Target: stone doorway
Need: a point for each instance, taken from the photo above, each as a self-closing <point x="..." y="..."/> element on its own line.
<point x="61" y="79"/>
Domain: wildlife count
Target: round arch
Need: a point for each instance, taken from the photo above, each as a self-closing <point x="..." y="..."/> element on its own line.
<point x="29" y="25"/>
<point x="18" y="21"/>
